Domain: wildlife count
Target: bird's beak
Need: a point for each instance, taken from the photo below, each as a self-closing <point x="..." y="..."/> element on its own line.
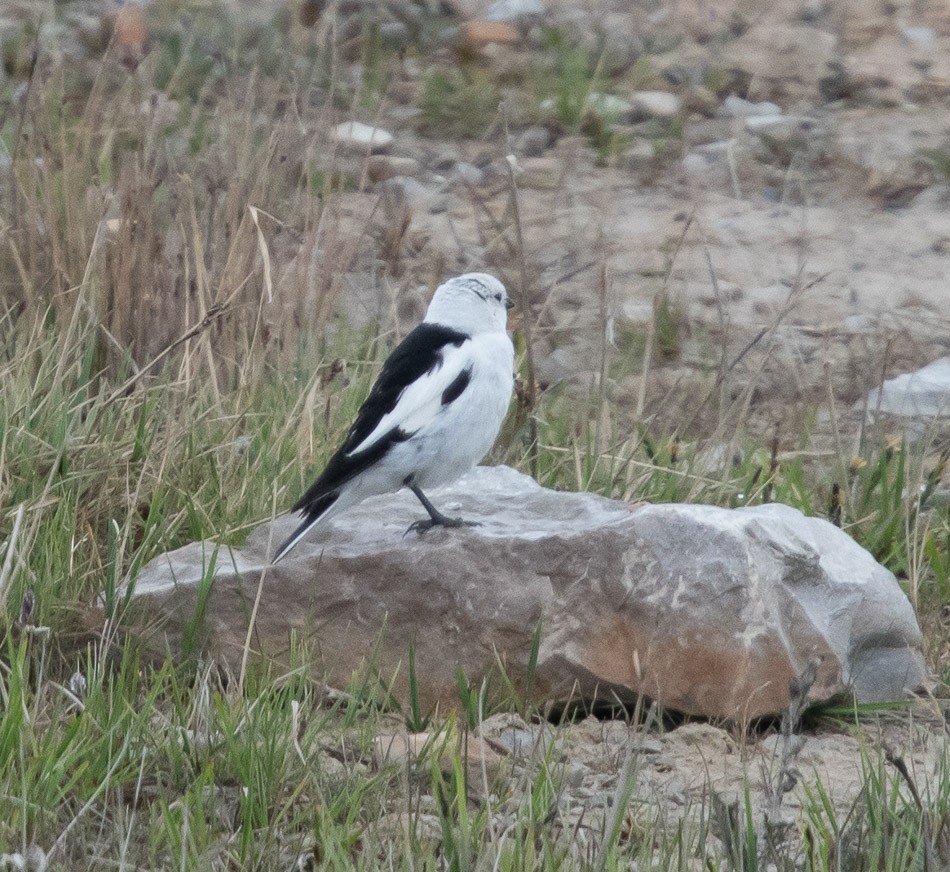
<point x="509" y="304"/>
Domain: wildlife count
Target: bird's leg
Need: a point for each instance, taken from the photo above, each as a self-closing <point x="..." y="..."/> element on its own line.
<point x="436" y="518"/>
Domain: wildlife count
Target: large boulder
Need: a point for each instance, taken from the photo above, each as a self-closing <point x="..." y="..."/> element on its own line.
<point x="706" y="610"/>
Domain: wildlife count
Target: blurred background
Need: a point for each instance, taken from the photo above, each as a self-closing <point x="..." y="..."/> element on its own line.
<point x="751" y="190"/>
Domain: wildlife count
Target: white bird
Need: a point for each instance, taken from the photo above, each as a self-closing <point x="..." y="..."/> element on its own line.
<point x="432" y="414"/>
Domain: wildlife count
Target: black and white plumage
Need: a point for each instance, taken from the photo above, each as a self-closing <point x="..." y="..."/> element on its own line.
<point x="432" y="414"/>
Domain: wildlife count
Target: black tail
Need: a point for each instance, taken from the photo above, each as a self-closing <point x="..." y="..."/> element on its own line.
<point x="311" y="515"/>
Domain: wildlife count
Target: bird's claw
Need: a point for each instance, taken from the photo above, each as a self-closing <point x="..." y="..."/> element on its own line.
<point x="423" y="526"/>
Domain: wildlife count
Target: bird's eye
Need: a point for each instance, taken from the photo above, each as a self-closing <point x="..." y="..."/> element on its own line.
<point x="498" y="297"/>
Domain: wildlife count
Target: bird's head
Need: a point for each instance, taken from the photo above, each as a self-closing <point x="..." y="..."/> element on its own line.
<point x="471" y="303"/>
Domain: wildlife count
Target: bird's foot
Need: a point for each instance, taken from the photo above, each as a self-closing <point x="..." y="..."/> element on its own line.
<point x="424" y="526"/>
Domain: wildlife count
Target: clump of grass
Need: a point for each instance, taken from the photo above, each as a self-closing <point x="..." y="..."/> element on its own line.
<point x="457" y="103"/>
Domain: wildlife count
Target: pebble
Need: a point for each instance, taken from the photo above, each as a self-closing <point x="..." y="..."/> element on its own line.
<point x="467" y="173"/>
<point x="656" y="104"/>
<point x="395" y="35"/>
<point x="783" y="129"/>
<point x="736" y="107"/>
<point x="609" y="106"/>
<point x="639" y="155"/>
<point x="361" y="137"/>
<point x="514" y="10"/>
<point x="416" y="195"/>
<point x="518" y="742"/>
<point x="922" y="37"/>
<point x="478" y="34"/>
<point x="534" y="141"/>
<point x="621" y="49"/>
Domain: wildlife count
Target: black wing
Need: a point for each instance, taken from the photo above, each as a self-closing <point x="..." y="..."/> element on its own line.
<point x="419" y="353"/>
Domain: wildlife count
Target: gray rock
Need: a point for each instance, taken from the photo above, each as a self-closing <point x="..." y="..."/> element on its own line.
<point x="467" y="173"/>
<point x="534" y="141"/>
<point x="620" y="47"/>
<point x="707" y="610"/>
<point x="395" y="35"/>
<point x="609" y="106"/>
<point x="923" y="394"/>
<point x="922" y="37"/>
<point x="415" y="194"/>
<point x="736" y="107"/>
<point x="762" y="124"/>
<point x="514" y="11"/>
<point x="639" y="155"/>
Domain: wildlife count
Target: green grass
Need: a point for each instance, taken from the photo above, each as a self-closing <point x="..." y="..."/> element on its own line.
<point x="457" y="103"/>
<point x="221" y="777"/>
<point x="109" y="760"/>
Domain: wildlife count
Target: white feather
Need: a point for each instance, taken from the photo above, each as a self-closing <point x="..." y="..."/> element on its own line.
<point x="421" y="401"/>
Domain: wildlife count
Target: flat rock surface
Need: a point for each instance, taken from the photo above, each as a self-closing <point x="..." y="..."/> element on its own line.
<point x="706" y="610"/>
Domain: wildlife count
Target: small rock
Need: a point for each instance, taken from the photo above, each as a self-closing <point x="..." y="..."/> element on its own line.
<point x="467" y="173"/>
<point x="759" y="123"/>
<point x="518" y="742"/>
<point x="736" y="107"/>
<point x="518" y="11"/>
<point x="395" y="35"/>
<point x="639" y="155"/>
<point x="478" y="34"/>
<point x="620" y="49"/>
<point x="922" y="37"/>
<point x="783" y="130"/>
<point x="131" y="36"/>
<point x="656" y="104"/>
<point x="534" y="141"/>
<point x="608" y="106"/>
<point x="813" y="10"/>
<point x="356" y="136"/>
<point x="415" y="194"/>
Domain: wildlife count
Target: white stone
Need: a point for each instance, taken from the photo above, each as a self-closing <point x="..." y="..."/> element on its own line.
<point x="736" y="107"/>
<point x="658" y="104"/>
<point x="362" y="137"/>
<point x="923" y="37"/>
<point x="608" y="106"/>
